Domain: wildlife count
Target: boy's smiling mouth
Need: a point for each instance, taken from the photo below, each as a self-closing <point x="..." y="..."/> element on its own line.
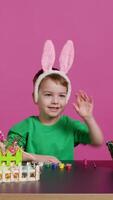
<point x="52" y="108"/>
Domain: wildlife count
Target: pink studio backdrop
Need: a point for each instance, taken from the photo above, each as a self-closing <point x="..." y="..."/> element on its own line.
<point x="24" y="27"/>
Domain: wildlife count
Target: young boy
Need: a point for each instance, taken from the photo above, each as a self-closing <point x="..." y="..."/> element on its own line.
<point x="50" y="136"/>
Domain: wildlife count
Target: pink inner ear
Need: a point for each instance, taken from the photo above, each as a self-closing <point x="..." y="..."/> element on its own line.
<point x="67" y="56"/>
<point x="48" y="56"/>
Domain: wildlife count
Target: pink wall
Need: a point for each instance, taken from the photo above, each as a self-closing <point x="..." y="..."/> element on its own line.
<point x="25" y="25"/>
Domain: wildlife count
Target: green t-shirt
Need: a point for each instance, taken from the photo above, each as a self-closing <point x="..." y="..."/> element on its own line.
<point x="56" y="140"/>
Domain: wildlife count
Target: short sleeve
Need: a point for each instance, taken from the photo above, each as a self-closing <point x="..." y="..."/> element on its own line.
<point x="19" y="132"/>
<point x="21" y="140"/>
<point x="81" y="133"/>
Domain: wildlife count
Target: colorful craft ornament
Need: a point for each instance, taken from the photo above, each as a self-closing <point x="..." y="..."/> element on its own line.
<point x="11" y="167"/>
<point x="2" y="138"/>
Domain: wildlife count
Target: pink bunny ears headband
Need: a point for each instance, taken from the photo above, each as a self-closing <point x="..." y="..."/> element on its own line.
<point x="48" y="58"/>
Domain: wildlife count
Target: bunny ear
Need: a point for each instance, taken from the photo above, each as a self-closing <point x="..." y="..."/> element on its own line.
<point x="66" y="56"/>
<point x="48" y="56"/>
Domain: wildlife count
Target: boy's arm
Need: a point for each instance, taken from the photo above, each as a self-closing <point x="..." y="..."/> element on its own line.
<point x="39" y="158"/>
<point x="94" y="130"/>
<point x="32" y="157"/>
<point x="84" y="107"/>
<point x="21" y="141"/>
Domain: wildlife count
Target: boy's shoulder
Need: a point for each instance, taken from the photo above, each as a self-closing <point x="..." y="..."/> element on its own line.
<point x="73" y="122"/>
<point x="69" y="119"/>
<point x="24" y="123"/>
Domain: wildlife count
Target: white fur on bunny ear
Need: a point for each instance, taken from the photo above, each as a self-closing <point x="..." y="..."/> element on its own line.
<point x="48" y="56"/>
<point x="66" y="56"/>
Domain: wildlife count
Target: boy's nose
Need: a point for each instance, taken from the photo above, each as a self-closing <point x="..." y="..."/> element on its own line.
<point x="55" y="99"/>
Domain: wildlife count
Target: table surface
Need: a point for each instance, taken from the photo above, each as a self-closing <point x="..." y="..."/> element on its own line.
<point x="79" y="180"/>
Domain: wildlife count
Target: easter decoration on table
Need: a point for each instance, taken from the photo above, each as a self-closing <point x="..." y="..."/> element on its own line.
<point x="11" y="167"/>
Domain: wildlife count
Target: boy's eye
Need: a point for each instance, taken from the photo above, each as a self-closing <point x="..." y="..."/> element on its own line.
<point x="62" y="95"/>
<point x="47" y="94"/>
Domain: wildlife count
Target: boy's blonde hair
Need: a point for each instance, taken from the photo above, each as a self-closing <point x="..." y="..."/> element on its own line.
<point x="55" y="77"/>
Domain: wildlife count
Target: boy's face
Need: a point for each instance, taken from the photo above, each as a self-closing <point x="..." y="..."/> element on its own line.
<point x="52" y="98"/>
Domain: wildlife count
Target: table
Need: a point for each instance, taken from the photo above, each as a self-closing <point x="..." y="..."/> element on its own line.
<point x="79" y="182"/>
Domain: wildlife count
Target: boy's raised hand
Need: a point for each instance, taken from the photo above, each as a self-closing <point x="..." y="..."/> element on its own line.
<point x="83" y="105"/>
